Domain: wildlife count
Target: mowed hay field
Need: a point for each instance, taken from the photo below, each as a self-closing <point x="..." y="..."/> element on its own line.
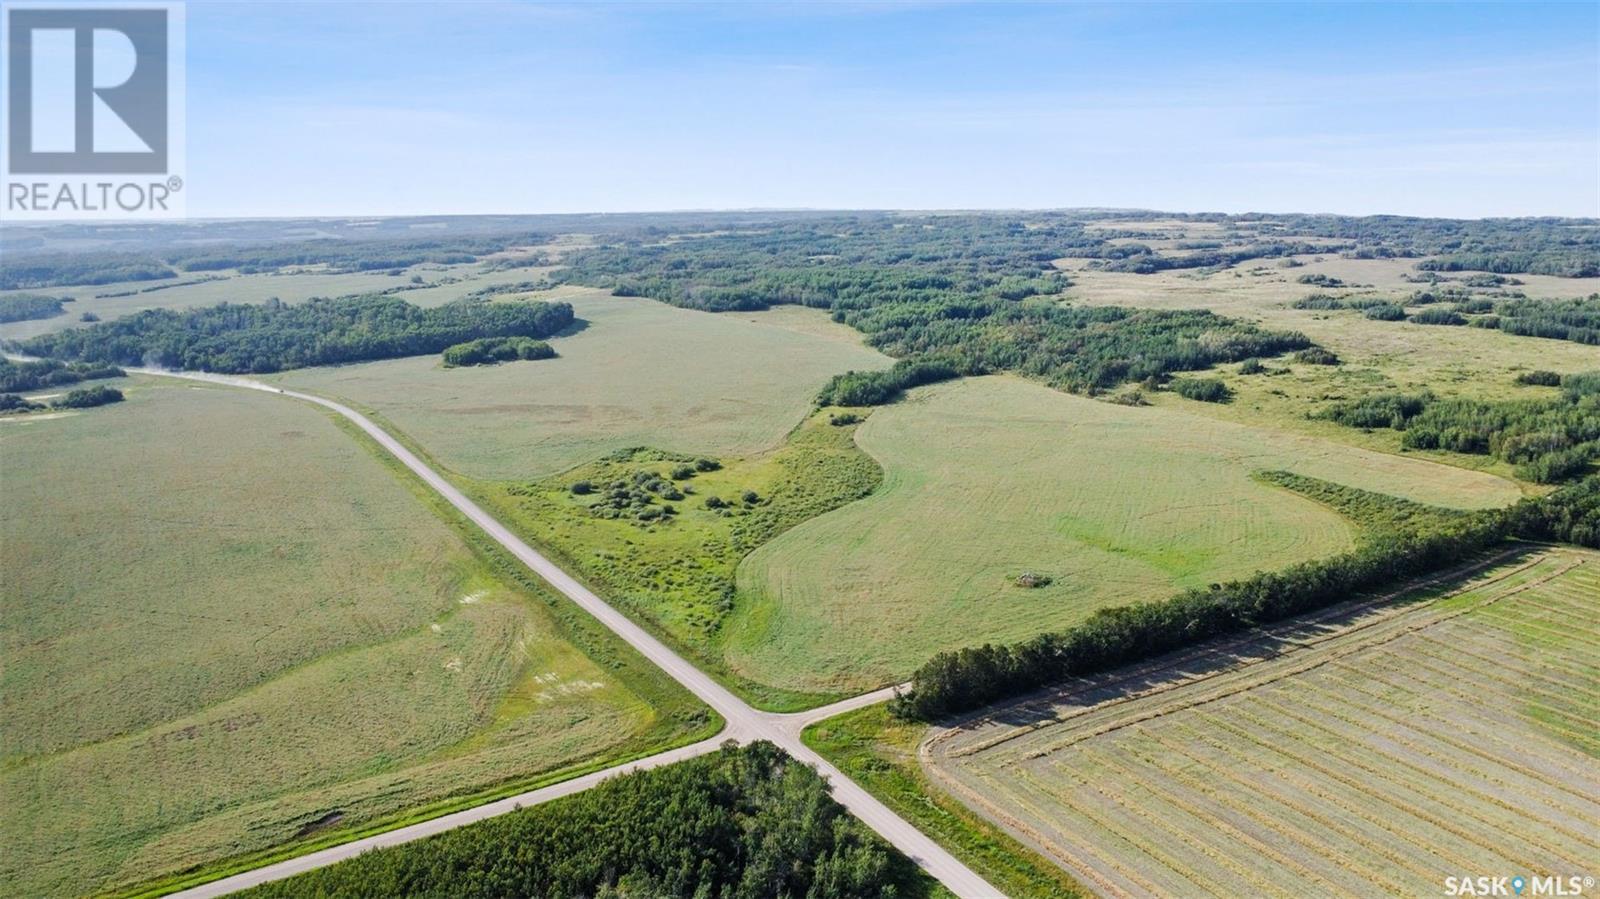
<point x="988" y="478"/>
<point x="639" y="373"/>
<point x="227" y="624"/>
<point x="1375" y="751"/>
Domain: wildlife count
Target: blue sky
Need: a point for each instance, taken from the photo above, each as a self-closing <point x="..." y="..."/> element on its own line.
<point x="395" y="108"/>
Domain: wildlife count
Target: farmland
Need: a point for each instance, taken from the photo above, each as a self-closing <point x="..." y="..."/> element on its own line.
<point x="987" y="479"/>
<point x="177" y="598"/>
<point x="639" y="373"/>
<point x="1379" y="746"/>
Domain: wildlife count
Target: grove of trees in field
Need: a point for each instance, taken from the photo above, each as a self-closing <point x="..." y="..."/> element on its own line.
<point x="272" y="336"/>
<point x="22" y="307"/>
<point x="1549" y="440"/>
<point x="492" y="350"/>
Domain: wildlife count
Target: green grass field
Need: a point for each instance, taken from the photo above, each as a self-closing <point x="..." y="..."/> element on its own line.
<point x="227" y="625"/>
<point x="640" y="374"/>
<point x="1379" y="749"/>
<point x="988" y="478"/>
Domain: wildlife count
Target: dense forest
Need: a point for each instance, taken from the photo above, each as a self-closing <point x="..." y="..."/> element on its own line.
<point x="237" y="338"/>
<point x="1403" y="540"/>
<point x="22" y="307"/>
<point x="19" y="377"/>
<point x="741" y="823"/>
<point x="492" y="350"/>
<point x="1549" y="440"/>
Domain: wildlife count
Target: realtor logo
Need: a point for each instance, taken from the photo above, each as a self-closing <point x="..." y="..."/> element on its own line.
<point x="93" y="91"/>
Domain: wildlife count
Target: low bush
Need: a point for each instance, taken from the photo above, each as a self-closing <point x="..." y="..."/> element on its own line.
<point x="1539" y="378"/>
<point x="1206" y="390"/>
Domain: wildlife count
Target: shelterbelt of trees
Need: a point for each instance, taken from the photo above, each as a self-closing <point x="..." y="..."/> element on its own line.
<point x="742" y="822"/>
<point x="1404" y="540"/>
<point x="237" y="339"/>
<point x="1549" y="440"/>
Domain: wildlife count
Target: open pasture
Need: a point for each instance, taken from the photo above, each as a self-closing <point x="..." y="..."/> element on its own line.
<point x="227" y="625"/>
<point x="986" y="479"/>
<point x="1377" y="748"/>
<point x="638" y="373"/>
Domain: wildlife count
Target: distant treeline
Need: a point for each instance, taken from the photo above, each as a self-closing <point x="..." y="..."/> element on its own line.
<point x="1407" y="542"/>
<point x="273" y="336"/>
<point x="39" y="374"/>
<point x="61" y="269"/>
<point x="492" y="350"/>
<point x="742" y="823"/>
<point x="350" y="256"/>
<point x="22" y="307"/>
<point x="1548" y="440"/>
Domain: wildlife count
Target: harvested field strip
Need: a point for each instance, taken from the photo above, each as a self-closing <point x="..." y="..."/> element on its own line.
<point x="1426" y="779"/>
<point x="1554" y="780"/>
<point x="1226" y="825"/>
<point x="1418" y="740"/>
<point x="1377" y="631"/>
<point x="1405" y="821"/>
<point x="1301" y="804"/>
<point x="1231" y="655"/>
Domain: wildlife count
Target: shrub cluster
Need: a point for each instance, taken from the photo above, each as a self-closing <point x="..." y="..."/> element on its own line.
<point x="1206" y="390"/>
<point x="494" y="350"/>
<point x="85" y="397"/>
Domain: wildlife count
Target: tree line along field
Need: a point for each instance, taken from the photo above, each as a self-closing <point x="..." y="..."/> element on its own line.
<point x="638" y="373"/>
<point x="1380" y="746"/>
<point x="202" y="575"/>
<point x="989" y="479"/>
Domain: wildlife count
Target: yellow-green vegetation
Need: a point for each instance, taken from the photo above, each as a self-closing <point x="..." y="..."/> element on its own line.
<point x="662" y="534"/>
<point x="1375" y="747"/>
<point x="989" y="479"/>
<point x="640" y="373"/>
<point x="1377" y="355"/>
<point x="230" y="630"/>
<point x="879" y="752"/>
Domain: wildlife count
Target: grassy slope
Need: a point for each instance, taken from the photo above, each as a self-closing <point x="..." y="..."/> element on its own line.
<point x="640" y="374"/>
<point x="987" y="478"/>
<point x="142" y="661"/>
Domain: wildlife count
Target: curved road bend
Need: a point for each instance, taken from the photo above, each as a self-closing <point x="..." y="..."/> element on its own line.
<point x="744" y="722"/>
